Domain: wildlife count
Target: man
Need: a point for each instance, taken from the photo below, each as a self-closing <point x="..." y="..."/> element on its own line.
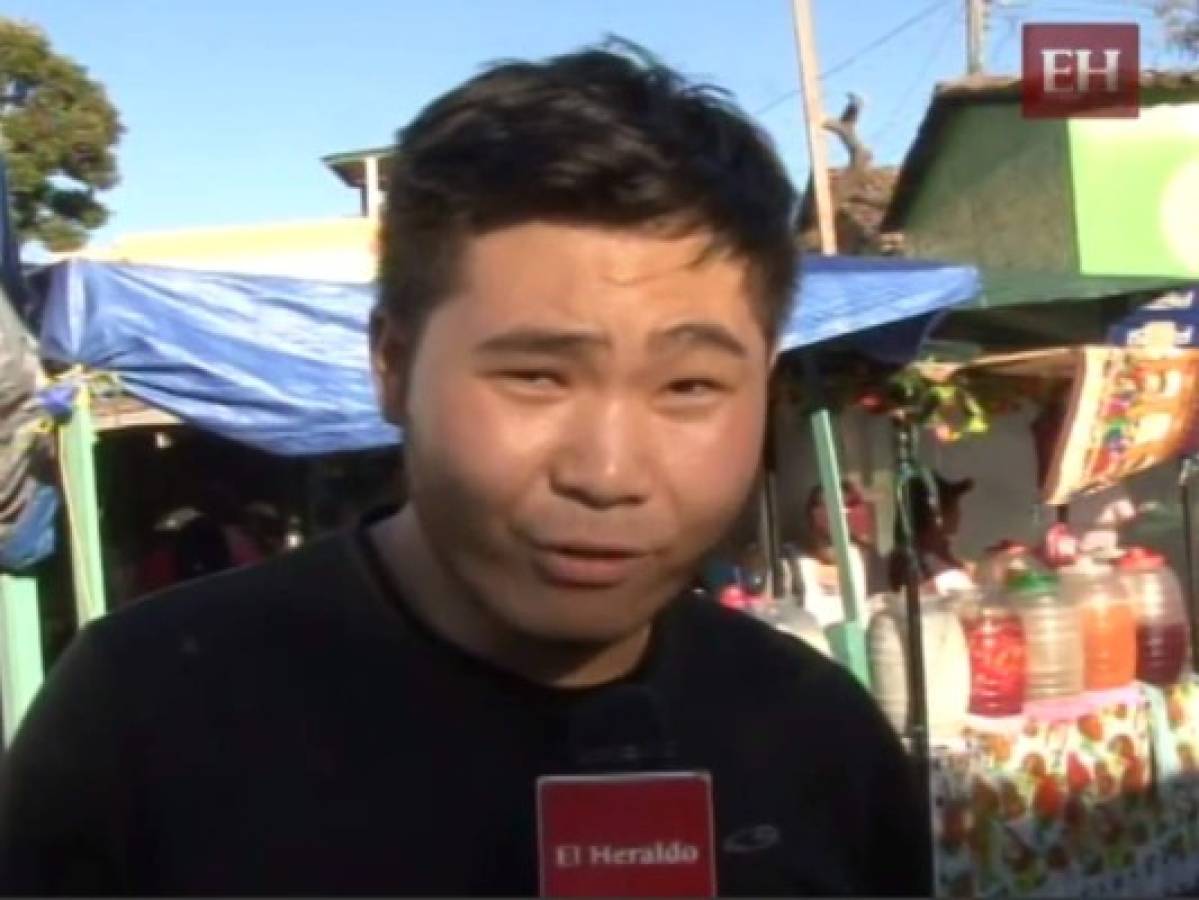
<point x="585" y="264"/>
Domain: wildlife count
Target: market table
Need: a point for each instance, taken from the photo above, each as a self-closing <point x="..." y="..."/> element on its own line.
<point x="1094" y="797"/>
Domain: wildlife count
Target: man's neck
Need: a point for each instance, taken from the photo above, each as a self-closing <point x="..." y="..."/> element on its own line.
<point x="446" y="607"/>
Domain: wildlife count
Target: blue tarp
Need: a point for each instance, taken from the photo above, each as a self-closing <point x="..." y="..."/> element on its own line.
<point x="883" y="307"/>
<point x="281" y="363"/>
<point x="277" y="363"/>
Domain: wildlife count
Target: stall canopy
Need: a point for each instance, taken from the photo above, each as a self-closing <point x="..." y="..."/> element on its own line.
<point x="1020" y="309"/>
<point x="277" y="363"/>
<point x="883" y="307"/>
<point x="281" y="364"/>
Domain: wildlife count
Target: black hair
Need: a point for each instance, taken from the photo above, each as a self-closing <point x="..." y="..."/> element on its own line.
<point x="605" y="136"/>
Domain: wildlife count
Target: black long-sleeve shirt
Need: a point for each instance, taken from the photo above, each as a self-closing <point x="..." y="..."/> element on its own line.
<point x="290" y="728"/>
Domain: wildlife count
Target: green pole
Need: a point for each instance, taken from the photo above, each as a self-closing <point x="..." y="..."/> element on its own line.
<point x="83" y="510"/>
<point x="847" y="639"/>
<point x="21" y="666"/>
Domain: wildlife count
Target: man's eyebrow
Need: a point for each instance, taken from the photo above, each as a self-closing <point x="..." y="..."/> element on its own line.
<point x="699" y="334"/>
<point x="542" y="340"/>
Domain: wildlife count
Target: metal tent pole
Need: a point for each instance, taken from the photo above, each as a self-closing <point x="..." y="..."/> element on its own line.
<point x="848" y="638"/>
<point x="907" y="472"/>
<point x="1186" y="473"/>
<point x="21" y="665"/>
<point x="78" y="442"/>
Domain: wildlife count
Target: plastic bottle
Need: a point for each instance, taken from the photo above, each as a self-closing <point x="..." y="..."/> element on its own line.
<point x="946" y="665"/>
<point x="1109" y="629"/>
<point x="995" y="640"/>
<point x="1163" y="634"/>
<point x="1052" y="636"/>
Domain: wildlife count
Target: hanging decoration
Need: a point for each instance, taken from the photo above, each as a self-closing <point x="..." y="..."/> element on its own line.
<point x="957" y="406"/>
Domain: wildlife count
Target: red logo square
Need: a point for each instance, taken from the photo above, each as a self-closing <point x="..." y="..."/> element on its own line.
<point x="1081" y="70"/>
<point x="638" y="835"/>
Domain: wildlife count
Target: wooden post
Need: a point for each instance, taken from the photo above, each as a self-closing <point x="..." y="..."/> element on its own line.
<point x="371" y="193"/>
<point x="21" y="665"/>
<point x="83" y="510"/>
<point x="809" y="79"/>
<point x="975" y="28"/>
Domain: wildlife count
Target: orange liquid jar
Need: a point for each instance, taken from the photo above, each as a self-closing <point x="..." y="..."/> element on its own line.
<point x="1109" y="624"/>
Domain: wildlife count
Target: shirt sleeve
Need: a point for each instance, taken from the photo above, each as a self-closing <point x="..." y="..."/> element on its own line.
<point x="63" y="801"/>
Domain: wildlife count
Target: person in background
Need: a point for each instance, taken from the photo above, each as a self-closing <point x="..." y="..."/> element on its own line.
<point x="586" y="264"/>
<point x="935" y="522"/>
<point x="818" y="561"/>
<point x="266" y="528"/>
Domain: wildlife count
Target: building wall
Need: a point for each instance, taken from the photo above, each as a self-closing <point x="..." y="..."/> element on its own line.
<point x="998" y="194"/>
<point x="324" y="249"/>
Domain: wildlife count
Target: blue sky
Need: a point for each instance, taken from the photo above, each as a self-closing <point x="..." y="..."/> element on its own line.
<point x="229" y="104"/>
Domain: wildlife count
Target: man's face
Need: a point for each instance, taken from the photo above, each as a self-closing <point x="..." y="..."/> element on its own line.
<point x="583" y="420"/>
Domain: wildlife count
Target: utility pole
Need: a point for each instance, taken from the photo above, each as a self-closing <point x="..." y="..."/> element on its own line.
<point x="976" y="27"/>
<point x="809" y="79"/>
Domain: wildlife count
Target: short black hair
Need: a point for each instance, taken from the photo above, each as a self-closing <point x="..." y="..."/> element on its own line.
<point x="605" y="136"/>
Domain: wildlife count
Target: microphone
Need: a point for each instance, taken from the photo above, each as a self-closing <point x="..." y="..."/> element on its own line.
<point x="630" y="822"/>
<point x="622" y="728"/>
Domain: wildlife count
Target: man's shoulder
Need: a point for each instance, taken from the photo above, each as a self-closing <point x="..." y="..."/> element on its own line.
<point x="732" y="643"/>
<point x="299" y="589"/>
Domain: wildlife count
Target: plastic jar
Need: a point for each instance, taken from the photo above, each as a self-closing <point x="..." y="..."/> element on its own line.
<point x="946" y="665"/>
<point x="1109" y="628"/>
<point x="1052" y="636"/>
<point x="995" y="641"/>
<point x="1163" y="632"/>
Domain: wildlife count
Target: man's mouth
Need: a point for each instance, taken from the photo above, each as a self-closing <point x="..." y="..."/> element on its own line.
<point x="587" y="564"/>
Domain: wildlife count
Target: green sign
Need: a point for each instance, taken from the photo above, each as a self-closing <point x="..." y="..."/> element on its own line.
<point x="1136" y="192"/>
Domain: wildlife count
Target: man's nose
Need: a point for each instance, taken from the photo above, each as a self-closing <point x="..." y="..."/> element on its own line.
<point x="602" y="459"/>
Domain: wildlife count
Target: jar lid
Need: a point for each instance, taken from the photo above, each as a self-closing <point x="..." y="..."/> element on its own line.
<point x="1141" y="559"/>
<point x="1032" y="582"/>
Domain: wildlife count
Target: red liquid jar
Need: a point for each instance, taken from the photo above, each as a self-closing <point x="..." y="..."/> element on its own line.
<point x="995" y="640"/>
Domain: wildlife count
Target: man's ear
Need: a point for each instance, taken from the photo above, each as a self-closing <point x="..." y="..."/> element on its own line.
<point x="391" y="358"/>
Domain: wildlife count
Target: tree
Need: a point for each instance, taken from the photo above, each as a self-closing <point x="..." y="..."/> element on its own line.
<point x="58" y="131"/>
<point x="1180" y="21"/>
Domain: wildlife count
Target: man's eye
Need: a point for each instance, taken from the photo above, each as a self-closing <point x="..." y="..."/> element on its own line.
<point x="539" y="379"/>
<point x="694" y="388"/>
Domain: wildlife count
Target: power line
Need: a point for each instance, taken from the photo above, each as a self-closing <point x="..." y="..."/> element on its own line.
<point x="893" y="33"/>
<point x="931" y="57"/>
<point x="853" y="58"/>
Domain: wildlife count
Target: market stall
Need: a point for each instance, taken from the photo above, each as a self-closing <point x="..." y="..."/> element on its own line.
<point x="1060" y="702"/>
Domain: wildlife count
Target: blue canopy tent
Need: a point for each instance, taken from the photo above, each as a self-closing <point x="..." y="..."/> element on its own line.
<point x="281" y="364"/>
<point x="276" y="363"/>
